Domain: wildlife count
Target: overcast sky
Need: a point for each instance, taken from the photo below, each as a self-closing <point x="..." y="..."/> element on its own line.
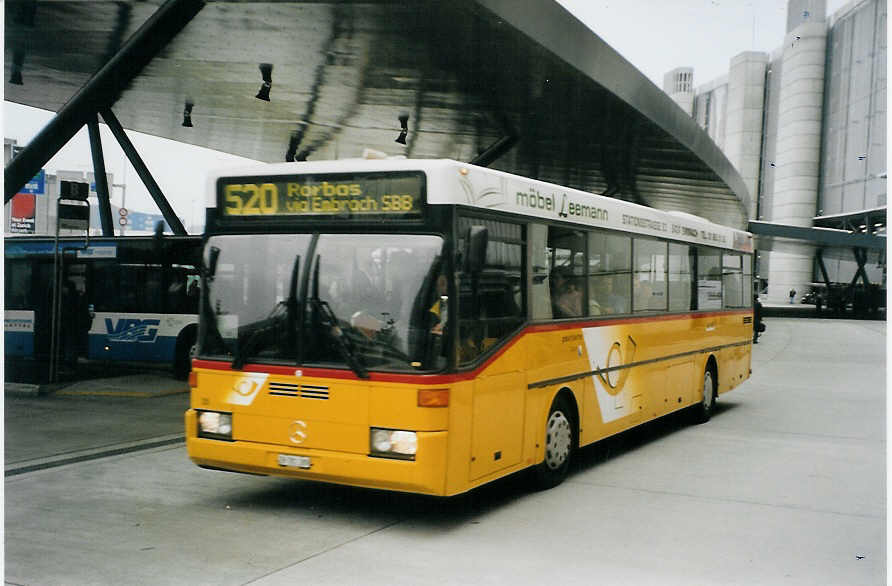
<point x="654" y="35"/>
<point x="657" y="36"/>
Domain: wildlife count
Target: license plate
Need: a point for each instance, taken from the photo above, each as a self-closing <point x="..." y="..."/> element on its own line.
<point x="294" y="461"/>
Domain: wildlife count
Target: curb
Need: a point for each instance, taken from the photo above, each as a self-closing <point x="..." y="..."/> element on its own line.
<point x="91" y="454"/>
<point x="21" y="389"/>
<point x="119" y="393"/>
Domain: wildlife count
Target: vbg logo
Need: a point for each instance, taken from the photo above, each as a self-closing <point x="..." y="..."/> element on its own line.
<point x="132" y="330"/>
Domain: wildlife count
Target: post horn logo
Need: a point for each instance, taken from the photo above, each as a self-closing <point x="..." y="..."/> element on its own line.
<point x="245" y="386"/>
<point x="612" y="376"/>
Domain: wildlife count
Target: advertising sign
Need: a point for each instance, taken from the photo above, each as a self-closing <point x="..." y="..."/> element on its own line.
<point x="21" y="215"/>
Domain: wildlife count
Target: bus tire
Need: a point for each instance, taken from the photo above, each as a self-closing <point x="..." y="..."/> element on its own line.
<point x="185" y="347"/>
<point x="703" y="410"/>
<point x="560" y="438"/>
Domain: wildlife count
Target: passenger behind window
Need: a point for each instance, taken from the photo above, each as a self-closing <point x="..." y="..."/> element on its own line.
<point x="607" y="299"/>
<point x="438" y="310"/>
<point x="566" y="294"/>
<point x="597" y="295"/>
<point x="643" y="295"/>
<point x="594" y="306"/>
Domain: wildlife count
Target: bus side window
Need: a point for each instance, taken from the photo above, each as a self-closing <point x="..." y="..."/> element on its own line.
<point x="18" y="285"/>
<point x="609" y="269"/>
<point x="193" y="292"/>
<point x="649" y="280"/>
<point x="140" y="290"/>
<point x="541" y="292"/>
<point x="182" y="290"/>
<point x="680" y="277"/>
<point x="153" y="296"/>
<point x="732" y="280"/>
<point x="105" y="293"/>
<point x="709" y="278"/>
<point x="127" y="301"/>
<point x="566" y="249"/>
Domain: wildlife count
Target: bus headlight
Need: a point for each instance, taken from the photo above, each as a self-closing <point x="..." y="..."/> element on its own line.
<point x="215" y="425"/>
<point x="393" y="443"/>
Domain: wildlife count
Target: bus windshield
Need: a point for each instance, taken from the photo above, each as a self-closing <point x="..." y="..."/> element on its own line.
<point x="358" y="301"/>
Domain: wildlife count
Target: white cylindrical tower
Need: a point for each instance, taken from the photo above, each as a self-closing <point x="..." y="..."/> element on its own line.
<point x="743" y="121"/>
<point x="797" y="164"/>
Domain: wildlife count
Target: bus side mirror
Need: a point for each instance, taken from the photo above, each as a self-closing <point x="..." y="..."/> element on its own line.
<point x="477" y="237"/>
<point x="213" y="257"/>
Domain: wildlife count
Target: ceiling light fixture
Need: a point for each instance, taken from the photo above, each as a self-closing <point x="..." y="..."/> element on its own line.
<point x="266" y="71"/>
<point x="292" y="148"/>
<point x="404" y="124"/>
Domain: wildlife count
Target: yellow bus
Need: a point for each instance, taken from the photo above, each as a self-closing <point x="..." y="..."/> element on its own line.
<point x="429" y="326"/>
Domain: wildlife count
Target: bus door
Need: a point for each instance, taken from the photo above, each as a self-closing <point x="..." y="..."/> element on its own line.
<point x="73" y="312"/>
<point x="497" y="422"/>
<point x="491" y="309"/>
<point x="74" y="317"/>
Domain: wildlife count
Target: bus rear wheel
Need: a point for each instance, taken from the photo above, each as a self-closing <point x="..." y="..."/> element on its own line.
<point x="703" y="410"/>
<point x="559" y="443"/>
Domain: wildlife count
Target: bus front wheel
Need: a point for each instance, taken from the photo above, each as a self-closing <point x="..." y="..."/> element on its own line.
<point x="559" y="444"/>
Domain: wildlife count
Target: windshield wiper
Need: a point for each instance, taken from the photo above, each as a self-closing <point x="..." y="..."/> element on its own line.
<point x="260" y="332"/>
<point x="344" y="344"/>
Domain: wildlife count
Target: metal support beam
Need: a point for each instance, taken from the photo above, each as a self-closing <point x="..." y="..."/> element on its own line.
<point x="819" y="236"/>
<point x="101" y="91"/>
<point x="861" y="258"/>
<point x="154" y="190"/>
<point x="819" y="257"/>
<point x="105" y="218"/>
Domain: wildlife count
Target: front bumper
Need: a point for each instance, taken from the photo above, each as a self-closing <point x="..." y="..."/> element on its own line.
<point x="425" y="475"/>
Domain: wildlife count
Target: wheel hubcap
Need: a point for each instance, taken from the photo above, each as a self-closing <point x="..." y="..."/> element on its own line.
<point x="558" y="439"/>
<point x="707" y="391"/>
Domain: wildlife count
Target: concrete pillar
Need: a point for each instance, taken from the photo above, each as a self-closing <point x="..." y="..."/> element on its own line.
<point x="798" y="154"/>
<point x="743" y="119"/>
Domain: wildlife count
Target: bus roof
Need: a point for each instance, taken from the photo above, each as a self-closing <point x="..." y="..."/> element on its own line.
<point x="452" y="182"/>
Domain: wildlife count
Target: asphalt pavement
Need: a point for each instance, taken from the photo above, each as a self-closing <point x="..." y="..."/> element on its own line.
<point x="49" y="425"/>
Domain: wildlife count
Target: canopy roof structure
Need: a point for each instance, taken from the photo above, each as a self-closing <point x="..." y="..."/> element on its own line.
<point x="523" y="87"/>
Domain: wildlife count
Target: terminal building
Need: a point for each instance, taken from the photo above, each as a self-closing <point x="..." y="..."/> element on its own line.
<point x="805" y="126"/>
<point x="798" y="134"/>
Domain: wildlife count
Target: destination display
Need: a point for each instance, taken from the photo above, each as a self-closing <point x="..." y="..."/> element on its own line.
<point x="397" y="195"/>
